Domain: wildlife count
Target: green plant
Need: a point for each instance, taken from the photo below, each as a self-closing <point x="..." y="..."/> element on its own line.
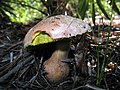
<point x="114" y="6"/>
<point x="96" y="6"/>
<point x="27" y="10"/>
<point x="83" y="7"/>
<point x="5" y="10"/>
<point x="101" y="67"/>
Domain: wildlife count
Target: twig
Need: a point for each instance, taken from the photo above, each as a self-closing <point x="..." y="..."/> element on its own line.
<point x="88" y="86"/>
<point x="5" y="68"/>
<point x="16" y="68"/>
<point x="14" y="45"/>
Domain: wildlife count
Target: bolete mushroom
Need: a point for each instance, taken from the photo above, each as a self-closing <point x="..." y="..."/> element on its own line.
<point x="56" y="29"/>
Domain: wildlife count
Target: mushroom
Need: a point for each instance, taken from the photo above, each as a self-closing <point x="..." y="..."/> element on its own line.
<point x="57" y="29"/>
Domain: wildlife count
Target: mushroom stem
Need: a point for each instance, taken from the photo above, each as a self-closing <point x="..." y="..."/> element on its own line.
<point x="57" y="70"/>
<point x="62" y="50"/>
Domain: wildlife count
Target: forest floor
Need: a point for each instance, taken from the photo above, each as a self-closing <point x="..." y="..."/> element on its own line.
<point x="17" y="66"/>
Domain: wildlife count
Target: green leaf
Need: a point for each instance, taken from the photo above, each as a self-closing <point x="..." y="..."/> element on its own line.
<point x="82" y="8"/>
<point x="102" y="8"/>
<point x="93" y="11"/>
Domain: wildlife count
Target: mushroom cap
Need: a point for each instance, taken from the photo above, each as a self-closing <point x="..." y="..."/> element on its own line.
<point x="58" y="27"/>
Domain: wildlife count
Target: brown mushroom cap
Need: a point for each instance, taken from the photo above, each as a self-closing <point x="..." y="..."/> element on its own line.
<point x="60" y="26"/>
